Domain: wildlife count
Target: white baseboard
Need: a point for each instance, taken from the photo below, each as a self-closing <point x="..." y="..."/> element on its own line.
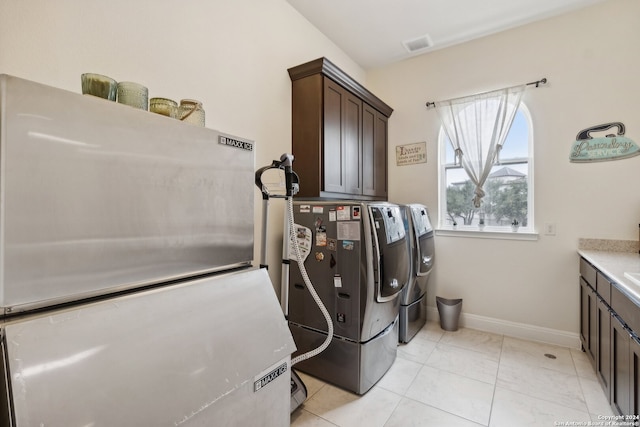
<point x="513" y="329"/>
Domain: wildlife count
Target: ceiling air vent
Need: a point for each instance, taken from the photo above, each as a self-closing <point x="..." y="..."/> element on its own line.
<point x="417" y="44"/>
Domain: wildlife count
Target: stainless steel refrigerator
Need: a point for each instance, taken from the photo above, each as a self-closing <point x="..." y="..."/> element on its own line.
<point x="357" y="257"/>
<point x="127" y="296"/>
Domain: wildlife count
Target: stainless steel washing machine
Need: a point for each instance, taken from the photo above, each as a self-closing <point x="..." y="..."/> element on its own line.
<point x="357" y="256"/>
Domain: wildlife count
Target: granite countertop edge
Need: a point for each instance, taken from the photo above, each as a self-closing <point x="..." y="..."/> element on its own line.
<point x="613" y="259"/>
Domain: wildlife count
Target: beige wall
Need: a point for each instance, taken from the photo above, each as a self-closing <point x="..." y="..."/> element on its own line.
<point x="231" y="55"/>
<point x="591" y="58"/>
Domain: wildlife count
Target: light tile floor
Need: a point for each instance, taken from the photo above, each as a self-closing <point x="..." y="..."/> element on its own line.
<point x="465" y="378"/>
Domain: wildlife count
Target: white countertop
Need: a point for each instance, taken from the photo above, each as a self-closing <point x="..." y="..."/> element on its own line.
<point x="614" y="265"/>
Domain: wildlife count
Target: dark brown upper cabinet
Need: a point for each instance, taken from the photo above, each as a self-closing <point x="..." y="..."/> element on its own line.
<point x="339" y="134"/>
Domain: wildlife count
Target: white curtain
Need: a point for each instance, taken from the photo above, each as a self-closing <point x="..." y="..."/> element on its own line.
<point x="477" y="126"/>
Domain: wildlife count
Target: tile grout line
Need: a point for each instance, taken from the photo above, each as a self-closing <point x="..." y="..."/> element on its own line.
<point x="584" y="396"/>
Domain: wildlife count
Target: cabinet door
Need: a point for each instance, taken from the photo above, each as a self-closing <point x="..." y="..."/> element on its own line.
<point x="342" y="143"/>
<point x="635" y="377"/>
<point x="620" y="372"/>
<point x="586" y="321"/>
<point x="352" y="134"/>
<point x="593" y="325"/>
<point x="603" y="346"/>
<point x="584" y="315"/>
<point x="333" y="149"/>
<point x="374" y="152"/>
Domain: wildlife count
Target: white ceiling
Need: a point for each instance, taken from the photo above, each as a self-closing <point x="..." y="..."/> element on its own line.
<point x="372" y="32"/>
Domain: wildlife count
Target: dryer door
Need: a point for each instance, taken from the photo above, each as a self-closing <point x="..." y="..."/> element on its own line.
<point x="392" y="247"/>
<point x="424" y="240"/>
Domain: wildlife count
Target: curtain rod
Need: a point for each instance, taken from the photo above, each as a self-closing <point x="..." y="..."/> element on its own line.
<point x="537" y="83"/>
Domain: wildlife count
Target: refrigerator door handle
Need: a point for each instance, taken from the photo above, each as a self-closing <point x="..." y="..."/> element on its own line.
<point x="376" y="259"/>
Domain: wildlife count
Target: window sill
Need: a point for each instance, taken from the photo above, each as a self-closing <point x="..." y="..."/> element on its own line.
<point x="487" y="233"/>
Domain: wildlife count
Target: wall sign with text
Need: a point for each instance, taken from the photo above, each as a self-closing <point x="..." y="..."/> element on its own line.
<point x="588" y="148"/>
<point x="411" y="154"/>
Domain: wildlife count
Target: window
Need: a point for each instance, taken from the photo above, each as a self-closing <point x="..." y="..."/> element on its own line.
<point x="508" y="190"/>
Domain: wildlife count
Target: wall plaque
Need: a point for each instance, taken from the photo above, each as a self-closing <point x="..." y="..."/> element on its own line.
<point x="587" y="148"/>
<point x="411" y="154"/>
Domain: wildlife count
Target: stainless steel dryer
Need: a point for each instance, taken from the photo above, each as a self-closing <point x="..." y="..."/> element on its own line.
<point x="412" y="299"/>
<point x="357" y="256"/>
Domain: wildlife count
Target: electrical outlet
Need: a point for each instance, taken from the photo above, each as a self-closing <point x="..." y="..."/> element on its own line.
<point x="550" y="228"/>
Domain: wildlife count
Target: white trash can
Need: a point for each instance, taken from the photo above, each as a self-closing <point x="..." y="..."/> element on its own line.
<point x="449" y="311"/>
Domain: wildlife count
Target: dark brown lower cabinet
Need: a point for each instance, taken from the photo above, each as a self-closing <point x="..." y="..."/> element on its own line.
<point x="603" y="345"/>
<point x="620" y="367"/>
<point x="609" y="325"/>
<point x="588" y="319"/>
<point x="634" y="397"/>
<point x="593" y="326"/>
